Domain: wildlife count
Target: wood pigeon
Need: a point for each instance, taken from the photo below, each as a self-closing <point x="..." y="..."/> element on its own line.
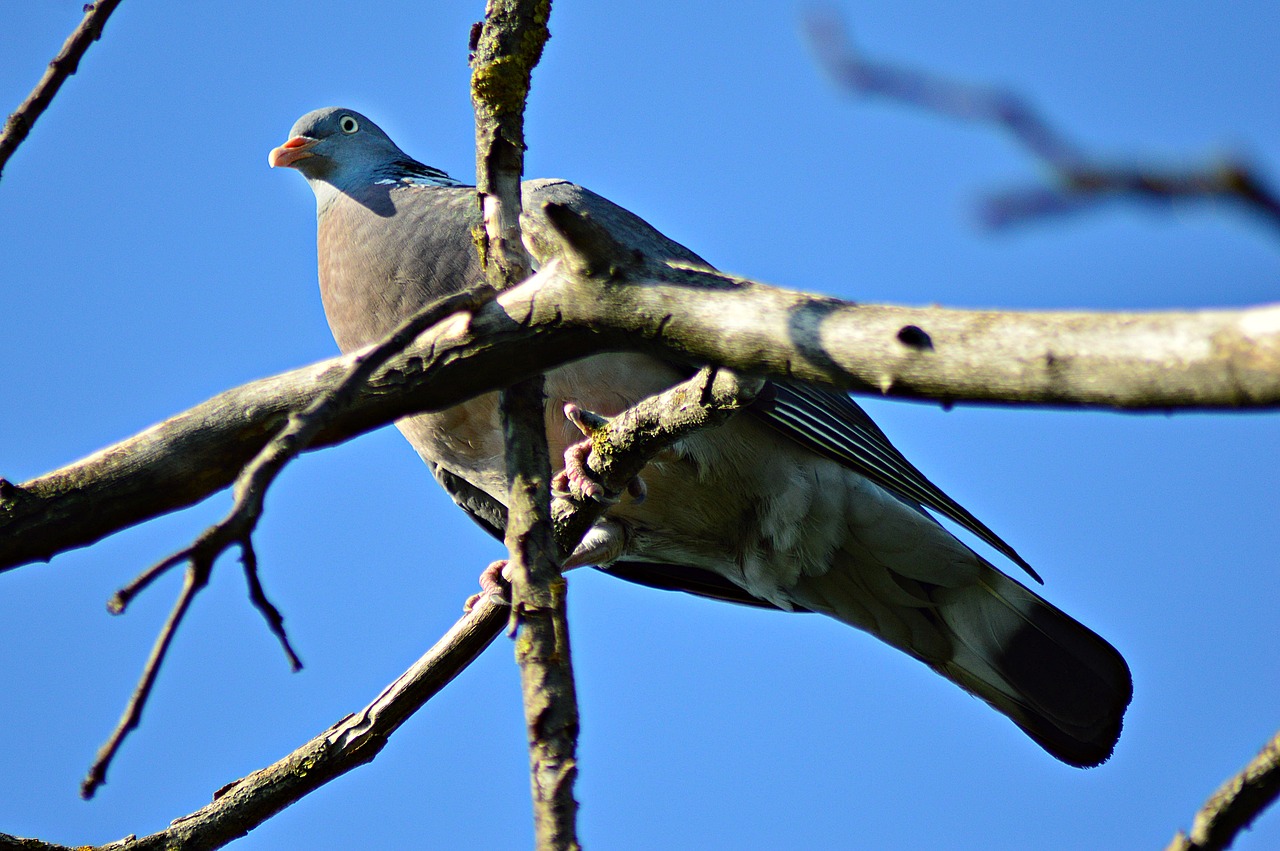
<point x="802" y="505"/>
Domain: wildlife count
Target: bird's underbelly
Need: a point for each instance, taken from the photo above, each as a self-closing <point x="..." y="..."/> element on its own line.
<point x="467" y="439"/>
<point x="740" y="500"/>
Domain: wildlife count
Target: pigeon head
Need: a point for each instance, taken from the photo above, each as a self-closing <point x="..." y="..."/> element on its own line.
<point x="339" y="149"/>
<point x="336" y="145"/>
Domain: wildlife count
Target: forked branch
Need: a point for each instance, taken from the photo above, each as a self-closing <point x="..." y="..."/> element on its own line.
<point x="627" y="442"/>
<point x="237" y="528"/>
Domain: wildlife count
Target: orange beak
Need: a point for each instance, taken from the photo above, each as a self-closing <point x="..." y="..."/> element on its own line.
<point x="297" y="148"/>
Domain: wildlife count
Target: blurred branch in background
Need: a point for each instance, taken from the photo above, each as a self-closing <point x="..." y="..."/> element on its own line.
<point x="1082" y="181"/>
<point x="23" y="118"/>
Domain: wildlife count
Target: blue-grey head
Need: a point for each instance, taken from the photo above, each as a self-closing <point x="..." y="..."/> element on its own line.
<point x="337" y="149"/>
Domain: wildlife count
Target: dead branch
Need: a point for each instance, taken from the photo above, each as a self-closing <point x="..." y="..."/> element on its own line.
<point x="236" y="529"/>
<point x="627" y="442"/>
<point x="196" y="578"/>
<point x="1159" y="361"/>
<point x="504" y="53"/>
<point x="355" y="740"/>
<point x="539" y="620"/>
<point x="1082" y="181"/>
<point x="1236" y="804"/>
<point x="23" y="118"/>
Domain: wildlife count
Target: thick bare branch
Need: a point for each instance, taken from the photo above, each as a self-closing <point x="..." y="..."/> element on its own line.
<point x="19" y="124"/>
<point x="1217" y="359"/>
<point x="1082" y="180"/>
<point x="538" y="614"/>
<point x="505" y="52"/>
<point x="625" y="443"/>
<point x="1236" y="804"/>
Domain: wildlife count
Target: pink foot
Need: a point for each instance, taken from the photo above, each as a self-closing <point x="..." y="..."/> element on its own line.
<point x="577" y="479"/>
<point x="493" y="584"/>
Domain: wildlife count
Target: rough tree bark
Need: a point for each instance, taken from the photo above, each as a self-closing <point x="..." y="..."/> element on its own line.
<point x="504" y="54"/>
<point x="1226" y="359"/>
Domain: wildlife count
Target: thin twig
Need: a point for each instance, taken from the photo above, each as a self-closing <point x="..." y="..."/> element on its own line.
<point x="122" y="598"/>
<point x="354" y="741"/>
<point x="197" y="577"/>
<point x="1236" y="804"/>
<point x="19" y="124"/>
<point x="1082" y="181"/>
<point x="237" y="527"/>
<point x="275" y="621"/>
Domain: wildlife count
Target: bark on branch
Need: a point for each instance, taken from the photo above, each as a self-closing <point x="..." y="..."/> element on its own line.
<point x="626" y="443"/>
<point x="1214" y="359"/>
<point x="505" y="52"/>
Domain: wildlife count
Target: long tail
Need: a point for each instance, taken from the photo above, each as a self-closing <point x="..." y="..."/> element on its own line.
<point x="1059" y="681"/>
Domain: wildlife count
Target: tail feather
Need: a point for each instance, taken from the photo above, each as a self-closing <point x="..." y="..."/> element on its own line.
<point x="1056" y="679"/>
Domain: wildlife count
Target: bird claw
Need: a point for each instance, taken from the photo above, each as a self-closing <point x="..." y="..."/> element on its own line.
<point x="577" y="478"/>
<point x="494" y="585"/>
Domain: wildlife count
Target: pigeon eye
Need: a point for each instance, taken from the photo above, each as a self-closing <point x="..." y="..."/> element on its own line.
<point x="348" y="124"/>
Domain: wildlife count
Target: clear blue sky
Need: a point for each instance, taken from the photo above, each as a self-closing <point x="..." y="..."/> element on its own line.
<point x="151" y="259"/>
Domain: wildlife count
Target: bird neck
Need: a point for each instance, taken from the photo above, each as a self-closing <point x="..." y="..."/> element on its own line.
<point x="413" y="172"/>
<point x="399" y="172"/>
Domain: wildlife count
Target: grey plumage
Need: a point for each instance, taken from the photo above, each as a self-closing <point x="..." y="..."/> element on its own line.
<point x="803" y="506"/>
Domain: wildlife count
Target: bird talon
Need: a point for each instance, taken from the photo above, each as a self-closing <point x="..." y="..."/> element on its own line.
<point x="577" y="479"/>
<point x="560" y="486"/>
<point x="637" y="490"/>
<point x="494" y="584"/>
<point x="587" y="422"/>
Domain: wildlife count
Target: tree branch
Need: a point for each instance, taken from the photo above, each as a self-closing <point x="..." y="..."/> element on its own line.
<point x="539" y="619"/>
<point x="237" y="528"/>
<point x="355" y="740"/>
<point x="1216" y="359"/>
<point x="505" y="52"/>
<point x="1082" y="180"/>
<point x="626" y="444"/>
<point x="24" y="118"/>
<point x="1236" y="803"/>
